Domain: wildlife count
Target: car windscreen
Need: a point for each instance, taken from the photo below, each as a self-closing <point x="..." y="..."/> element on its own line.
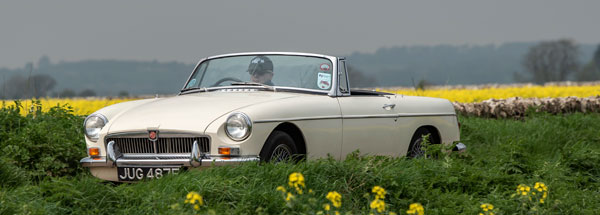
<point x="276" y="70"/>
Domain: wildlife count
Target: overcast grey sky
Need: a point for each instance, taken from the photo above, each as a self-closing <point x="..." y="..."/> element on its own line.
<point x="186" y="31"/>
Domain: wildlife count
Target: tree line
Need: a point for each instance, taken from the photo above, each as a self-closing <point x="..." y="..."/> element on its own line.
<point x="553" y="61"/>
<point x="415" y="66"/>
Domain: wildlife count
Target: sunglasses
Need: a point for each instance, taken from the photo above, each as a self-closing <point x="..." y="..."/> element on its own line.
<point x="259" y="73"/>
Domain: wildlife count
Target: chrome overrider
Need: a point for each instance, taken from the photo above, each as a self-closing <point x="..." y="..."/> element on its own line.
<point x="195" y="159"/>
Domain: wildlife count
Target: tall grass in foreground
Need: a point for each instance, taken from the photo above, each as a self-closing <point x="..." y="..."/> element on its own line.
<point x="561" y="151"/>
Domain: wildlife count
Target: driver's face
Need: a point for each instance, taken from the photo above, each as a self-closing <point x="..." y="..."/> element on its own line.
<point x="261" y="78"/>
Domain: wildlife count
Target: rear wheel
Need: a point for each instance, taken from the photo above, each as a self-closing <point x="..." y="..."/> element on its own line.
<point x="416" y="148"/>
<point x="279" y="147"/>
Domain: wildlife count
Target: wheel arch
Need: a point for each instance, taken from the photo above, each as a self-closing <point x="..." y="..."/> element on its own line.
<point x="295" y="133"/>
<point x="435" y="133"/>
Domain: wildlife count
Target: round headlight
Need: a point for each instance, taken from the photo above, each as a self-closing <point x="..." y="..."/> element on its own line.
<point x="93" y="124"/>
<point x="238" y="126"/>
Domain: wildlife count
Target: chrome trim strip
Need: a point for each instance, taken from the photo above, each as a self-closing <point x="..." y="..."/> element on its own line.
<point x="370" y="116"/>
<point x="302" y="89"/>
<point x="163" y="134"/>
<point x="90" y="162"/>
<point x="158" y="156"/>
<point x="298" y="119"/>
<point x="190" y="76"/>
<point x="204" y="162"/>
<point x="187" y="162"/>
<point x="354" y="117"/>
<point x="143" y="162"/>
<point x="230" y="161"/>
<point x="270" y="53"/>
<point x="425" y="114"/>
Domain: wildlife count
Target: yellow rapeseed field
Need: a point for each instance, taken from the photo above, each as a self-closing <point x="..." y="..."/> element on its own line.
<point x="83" y="106"/>
<point x="80" y="106"/>
<point x="478" y="95"/>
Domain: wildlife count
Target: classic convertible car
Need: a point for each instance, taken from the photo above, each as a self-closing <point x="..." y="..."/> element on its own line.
<point x="266" y="106"/>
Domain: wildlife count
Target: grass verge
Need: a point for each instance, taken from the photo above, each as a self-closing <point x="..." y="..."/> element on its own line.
<point x="561" y="151"/>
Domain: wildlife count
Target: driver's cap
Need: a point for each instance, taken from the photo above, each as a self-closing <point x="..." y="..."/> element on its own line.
<point x="260" y="64"/>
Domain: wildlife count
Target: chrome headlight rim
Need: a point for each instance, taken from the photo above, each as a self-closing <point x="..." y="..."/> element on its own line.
<point x="104" y="120"/>
<point x="247" y="122"/>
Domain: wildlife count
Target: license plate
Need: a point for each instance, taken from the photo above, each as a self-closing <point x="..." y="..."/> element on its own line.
<point x="139" y="173"/>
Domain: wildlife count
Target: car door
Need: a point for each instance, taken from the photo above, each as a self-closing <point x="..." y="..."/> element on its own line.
<point x="369" y="122"/>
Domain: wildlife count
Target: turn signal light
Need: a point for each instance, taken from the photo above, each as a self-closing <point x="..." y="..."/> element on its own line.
<point x="229" y="151"/>
<point x="225" y="151"/>
<point x="94" y="152"/>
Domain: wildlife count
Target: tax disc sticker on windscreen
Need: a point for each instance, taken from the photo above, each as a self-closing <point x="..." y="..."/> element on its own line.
<point x="324" y="81"/>
<point x="324" y="67"/>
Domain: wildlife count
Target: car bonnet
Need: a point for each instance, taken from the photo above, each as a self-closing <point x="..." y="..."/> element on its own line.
<point x="187" y="113"/>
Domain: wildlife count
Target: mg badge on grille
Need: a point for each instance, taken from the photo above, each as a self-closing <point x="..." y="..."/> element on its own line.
<point x="153" y="135"/>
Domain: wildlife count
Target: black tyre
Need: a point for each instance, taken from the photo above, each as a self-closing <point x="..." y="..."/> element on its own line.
<point x="416" y="149"/>
<point x="279" y="147"/>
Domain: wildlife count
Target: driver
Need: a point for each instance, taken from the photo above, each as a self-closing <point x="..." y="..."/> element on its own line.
<point x="261" y="70"/>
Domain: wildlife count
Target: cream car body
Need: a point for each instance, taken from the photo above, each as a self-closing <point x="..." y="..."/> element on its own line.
<point x="334" y="122"/>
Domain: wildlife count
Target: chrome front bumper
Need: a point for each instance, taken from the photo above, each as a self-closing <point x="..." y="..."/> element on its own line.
<point x="206" y="162"/>
<point x="114" y="158"/>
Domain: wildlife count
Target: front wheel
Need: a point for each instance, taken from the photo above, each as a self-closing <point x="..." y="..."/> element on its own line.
<point x="279" y="147"/>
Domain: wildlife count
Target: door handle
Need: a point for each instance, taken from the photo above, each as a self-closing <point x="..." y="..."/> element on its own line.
<point x="389" y="106"/>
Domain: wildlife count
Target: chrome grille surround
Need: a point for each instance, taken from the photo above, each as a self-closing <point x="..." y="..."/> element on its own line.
<point x="167" y="143"/>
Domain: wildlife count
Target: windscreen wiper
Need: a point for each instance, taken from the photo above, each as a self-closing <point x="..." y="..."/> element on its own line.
<point x="253" y="84"/>
<point x="193" y="88"/>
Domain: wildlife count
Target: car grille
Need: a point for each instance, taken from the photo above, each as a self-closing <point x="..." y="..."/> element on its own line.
<point x="168" y="145"/>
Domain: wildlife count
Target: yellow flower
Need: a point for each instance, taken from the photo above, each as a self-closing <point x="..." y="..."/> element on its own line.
<point x="416" y="208"/>
<point x="282" y="189"/>
<point x="196" y="207"/>
<point x="289" y="197"/>
<point x="540" y="186"/>
<point x="487" y="207"/>
<point x="193" y="197"/>
<point x="296" y="180"/>
<point x="523" y="189"/>
<point x="378" y="204"/>
<point x="335" y="198"/>
<point x="393" y="213"/>
<point x="327" y="207"/>
<point x="379" y="192"/>
<point x="338" y="213"/>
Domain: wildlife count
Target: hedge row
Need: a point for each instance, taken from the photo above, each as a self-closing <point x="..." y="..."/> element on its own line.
<point x="517" y="107"/>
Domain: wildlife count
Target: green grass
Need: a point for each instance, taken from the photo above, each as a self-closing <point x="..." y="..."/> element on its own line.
<point x="561" y="151"/>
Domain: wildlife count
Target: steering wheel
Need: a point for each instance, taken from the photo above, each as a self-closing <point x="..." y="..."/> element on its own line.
<point x="224" y="80"/>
